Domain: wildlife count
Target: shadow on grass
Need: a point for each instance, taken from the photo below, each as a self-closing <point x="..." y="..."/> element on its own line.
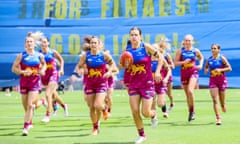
<point x="62" y="136"/>
<point x="12" y="124"/>
<point x="107" y="143"/>
<point x="10" y="134"/>
<point x="116" y="121"/>
<point x="187" y="123"/>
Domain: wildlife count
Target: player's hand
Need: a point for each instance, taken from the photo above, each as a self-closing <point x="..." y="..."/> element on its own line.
<point x="165" y="81"/>
<point x="187" y="61"/>
<point x="26" y="72"/>
<point x="60" y="73"/>
<point x="107" y="74"/>
<point x="42" y="72"/>
<point x="157" y="77"/>
<point x="199" y="67"/>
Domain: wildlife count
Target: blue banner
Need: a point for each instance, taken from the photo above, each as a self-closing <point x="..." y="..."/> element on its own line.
<point x="66" y="22"/>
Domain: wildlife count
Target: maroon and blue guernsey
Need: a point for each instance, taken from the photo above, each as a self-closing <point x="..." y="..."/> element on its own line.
<point x="30" y="63"/>
<point x="188" y="70"/>
<point x="51" y="73"/>
<point x="141" y="80"/>
<point x="96" y="68"/>
<point x="217" y="79"/>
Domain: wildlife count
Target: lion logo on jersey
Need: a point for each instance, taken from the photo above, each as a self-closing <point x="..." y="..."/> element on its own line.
<point x="94" y="73"/>
<point x="138" y="68"/>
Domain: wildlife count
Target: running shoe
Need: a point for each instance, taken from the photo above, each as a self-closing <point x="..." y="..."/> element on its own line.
<point x="170" y="108"/>
<point x="66" y="110"/>
<point x="8" y="94"/>
<point x="30" y="126"/>
<point x="165" y="115"/>
<point x="54" y="113"/>
<point x="140" y="139"/>
<point x="154" y="121"/>
<point x="25" y="132"/>
<point x="218" y="121"/>
<point x="105" y="114"/>
<point x="109" y="112"/>
<point x="191" y="117"/>
<point x="46" y="119"/>
<point x="94" y="132"/>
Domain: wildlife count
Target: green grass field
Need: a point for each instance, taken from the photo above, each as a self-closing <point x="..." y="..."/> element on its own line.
<point x="120" y="128"/>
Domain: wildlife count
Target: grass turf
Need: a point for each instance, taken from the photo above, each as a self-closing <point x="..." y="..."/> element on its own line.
<point x="120" y="128"/>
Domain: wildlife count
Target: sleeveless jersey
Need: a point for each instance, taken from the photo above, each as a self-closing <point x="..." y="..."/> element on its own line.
<point x="30" y="63"/>
<point x="140" y="70"/>
<point x="188" y="54"/>
<point x="214" y="64"/>
<point x="96" y="66"/>
<point x="50" y="60"/>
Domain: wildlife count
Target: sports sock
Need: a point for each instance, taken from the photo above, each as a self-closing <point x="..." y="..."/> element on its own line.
<point x="191" y="109"/>
<point x="48" y="114"/>
<point x="25" y="125"/>
<point x="164" y="108"/>
<point x="95" y="125"/>
<point x="141" y="132"/>
<point x="109" y="110"/>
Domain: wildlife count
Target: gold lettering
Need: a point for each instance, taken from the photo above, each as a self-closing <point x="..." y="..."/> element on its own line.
<point x="203" y="6"/>
<point x="175" y="42"/>
<point x="147" y="38"/>
<point x="105" y="7"/>
<point x="148" y="8"/>
<point x="61" y="9"/>
<point x="180" y="4"/>
<point x="56" y="42"/>
<point x="116" y="8"/>
<point x="74" y="44"/>
<point x="48" y="8"/>
<point x="115" y="44"/>
<point x="74" y="11"/>
<point x="162" y="8"/>
<point x="124" y="41"/>
<point x="102" y="38"/>
<point x="158" y="37"/>
<point x="38" y="6"/>
<point x="131" y="7"/>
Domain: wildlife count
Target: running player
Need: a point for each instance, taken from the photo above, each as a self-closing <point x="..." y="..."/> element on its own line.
<point x="95" y="88"/>
<point x="217" y="65"/>
<point x="29" y="64"/>
<point x="51" y="78"/>
<point x="141" y="83"/>
<point x="186" y="57"/>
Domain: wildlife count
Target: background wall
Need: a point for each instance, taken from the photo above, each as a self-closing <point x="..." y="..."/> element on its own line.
<point x="66" y="22"/>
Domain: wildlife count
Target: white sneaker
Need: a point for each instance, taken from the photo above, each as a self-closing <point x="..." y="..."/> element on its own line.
<point x="46" y="119"/>
<point x="8" y="94"/>
<point x="54" y="113"/>
<point x="154" y="121"/>
<point x="165" y="115"/>
<point x="30" y="126"/>
<point x="25" y="132"/>
<point x="170" y="108"/>
<point x="66" y="110"/>
<point x="140" y="139"/>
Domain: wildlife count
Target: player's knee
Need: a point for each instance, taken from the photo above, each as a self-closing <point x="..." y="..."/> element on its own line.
<point x="98" y="106"/>
<point x="146" y="113"/>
